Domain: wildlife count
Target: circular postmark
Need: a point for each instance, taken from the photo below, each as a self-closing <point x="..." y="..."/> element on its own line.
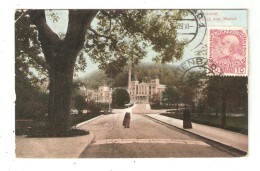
<point x="197" y="68"/>
<point x="191" y="28"/>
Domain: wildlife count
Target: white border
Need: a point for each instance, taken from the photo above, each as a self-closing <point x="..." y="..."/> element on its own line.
<point x="7" y="157"/>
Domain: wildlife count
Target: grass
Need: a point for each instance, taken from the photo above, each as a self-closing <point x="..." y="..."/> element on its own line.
<point x="233" y="123"/>
<point x="22" y="125"/>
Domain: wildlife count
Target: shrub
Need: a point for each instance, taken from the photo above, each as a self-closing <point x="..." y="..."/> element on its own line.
<point x="120" y="97"/>
<point x="94" y="108"/>
<point x="80" y="103"/>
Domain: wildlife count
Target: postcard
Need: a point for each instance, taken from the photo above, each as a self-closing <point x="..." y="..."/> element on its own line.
<point x="131" y="83"/>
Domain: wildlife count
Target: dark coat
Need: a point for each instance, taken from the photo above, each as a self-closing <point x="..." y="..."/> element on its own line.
<point x="187" y="118"/>
<point x="186" y="114"/>
<point x="126" y="121"/>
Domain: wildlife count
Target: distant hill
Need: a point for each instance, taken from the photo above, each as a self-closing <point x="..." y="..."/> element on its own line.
<point x="95" y="79"/>
<point x="143" y="71"/>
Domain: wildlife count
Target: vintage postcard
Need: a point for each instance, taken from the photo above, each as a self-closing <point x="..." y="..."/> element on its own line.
<point x="131" y="83"/>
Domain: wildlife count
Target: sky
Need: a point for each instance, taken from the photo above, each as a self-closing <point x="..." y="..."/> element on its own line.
<point x="214" y="18"/>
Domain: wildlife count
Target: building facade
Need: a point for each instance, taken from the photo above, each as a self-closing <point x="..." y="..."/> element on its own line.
<point x="102" y="95"/>
<point x="143" y="92"/>
<point x="139" y="92"/>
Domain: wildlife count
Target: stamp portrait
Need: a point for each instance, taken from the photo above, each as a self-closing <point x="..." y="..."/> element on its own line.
<point x="228" y="49"/>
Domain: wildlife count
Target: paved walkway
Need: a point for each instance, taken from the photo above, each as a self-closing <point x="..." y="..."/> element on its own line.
<point x="228" y="138"/>
<point x="65" y="147"/>
<point x="62" y="148"/>
<point x="145" y="108"/>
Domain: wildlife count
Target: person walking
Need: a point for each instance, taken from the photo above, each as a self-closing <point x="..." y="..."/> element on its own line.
<point x="127" y="117"/>
<point x="187" y="117"/>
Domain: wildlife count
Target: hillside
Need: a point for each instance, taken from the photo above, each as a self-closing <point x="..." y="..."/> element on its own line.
<point x="143" y="71"/>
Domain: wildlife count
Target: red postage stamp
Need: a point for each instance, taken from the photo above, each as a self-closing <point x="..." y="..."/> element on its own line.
<point x="228" y="49"/>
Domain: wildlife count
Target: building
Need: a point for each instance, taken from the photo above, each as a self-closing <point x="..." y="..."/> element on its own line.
<point x="102" y="95"/>
<point x="143" y="92"/>
<point x="139" y="92"/>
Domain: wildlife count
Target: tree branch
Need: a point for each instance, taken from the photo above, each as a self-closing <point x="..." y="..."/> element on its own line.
<point x="49" y="40"/>
<point x="105" y="13"/>
<point x="100" y="35"/>
<point x="79" y="21"/>
<point x="18" y="18"/>
<point x="110" y="18"/>
<point x="40" y="61"/>
<point x="45" y="33"/>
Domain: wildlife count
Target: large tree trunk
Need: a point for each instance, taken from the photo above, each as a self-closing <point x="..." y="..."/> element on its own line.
<point x="60" y="97"/>
<point x="60" y="56"/>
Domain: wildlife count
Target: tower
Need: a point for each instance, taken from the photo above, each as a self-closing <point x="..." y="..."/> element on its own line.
<point x="129" y="78"/>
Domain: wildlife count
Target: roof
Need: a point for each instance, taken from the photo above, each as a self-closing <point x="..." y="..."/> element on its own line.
<point x="154" y="77"/>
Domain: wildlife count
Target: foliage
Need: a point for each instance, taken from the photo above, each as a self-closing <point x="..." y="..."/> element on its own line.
<point x="78" y="96"/>
<point x="235" y="89"/>
<point x="117" y="37"/>
<point x="156" y="99"/>
<point x="143" y="71"/>
<point x="170" y="96"/>
<point x="96" y="108"/>
<point x="92" y="81"/>
<point x="80" y="103"/>
<point x="30" y="101"/>
<point x="43" y="131"/>
<point x="226" y="95"/>
<point x="93" y="107"/>
<point x="120" y="97"/>
<point x="201" y="107"/>
<point x="186" y="94"/>
<point x="28" y="52"/>
<point x="234" y="123"/>
<point x="123" y="35"/>
<point x="166" y="73"/>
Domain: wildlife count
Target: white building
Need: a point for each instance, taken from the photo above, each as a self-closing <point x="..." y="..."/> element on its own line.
<point x="139" y="92"/>
<point x="142" y="92"/>
<point x="102" y="95"/>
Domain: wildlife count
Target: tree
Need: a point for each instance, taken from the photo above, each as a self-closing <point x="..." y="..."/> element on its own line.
<point x="156" y="99"/>
<point x="59" y="57"/>
<point x="170" y="96"/>
<point x="120" y="97"/>
<point x="144" y="72"/>
<point x="119" y="35"/>
<point x="80" y="103"/>
<point x="186" y="94"/>
<point x="231" y="92"/>
<point x="78" y="96"/>
<point x="30" y="101"/>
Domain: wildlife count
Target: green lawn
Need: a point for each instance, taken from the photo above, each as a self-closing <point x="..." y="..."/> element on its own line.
<point x="233" y="123"/>
<point x="21" y="125"/>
